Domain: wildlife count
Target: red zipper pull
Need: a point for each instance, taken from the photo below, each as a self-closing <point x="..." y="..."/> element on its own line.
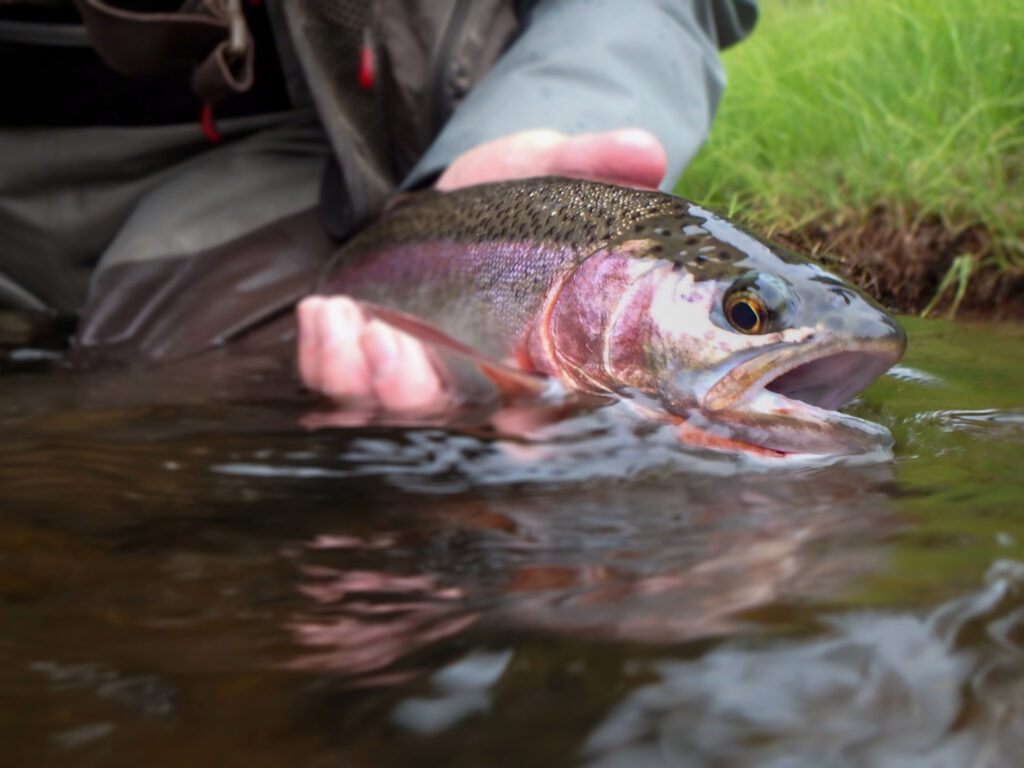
<point x="206" y="123"/>
<point x="367" y="77"/>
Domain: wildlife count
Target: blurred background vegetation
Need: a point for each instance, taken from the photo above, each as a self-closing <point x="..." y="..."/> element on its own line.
<point x="887" y="133"/>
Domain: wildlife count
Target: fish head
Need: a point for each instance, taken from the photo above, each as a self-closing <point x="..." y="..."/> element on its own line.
<point x="752" y="346"/>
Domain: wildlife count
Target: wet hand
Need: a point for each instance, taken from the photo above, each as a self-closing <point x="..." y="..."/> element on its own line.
<point x="363" y="363"/>
<point x="631" y="157"/>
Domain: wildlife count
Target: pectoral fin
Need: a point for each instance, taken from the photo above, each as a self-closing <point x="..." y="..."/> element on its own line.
<point x="480" y="393"/>
<point x="470" y="373"/>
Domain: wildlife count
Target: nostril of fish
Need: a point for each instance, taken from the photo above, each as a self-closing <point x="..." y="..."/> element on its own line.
<point x="843" y="293"/>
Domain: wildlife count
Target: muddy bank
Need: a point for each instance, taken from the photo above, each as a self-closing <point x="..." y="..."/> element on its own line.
<point x="902" y="263"/>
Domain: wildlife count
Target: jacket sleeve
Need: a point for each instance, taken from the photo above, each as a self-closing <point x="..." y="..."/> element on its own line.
<point x="592" y="65"/>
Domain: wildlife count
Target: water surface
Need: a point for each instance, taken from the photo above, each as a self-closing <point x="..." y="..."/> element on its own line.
<point x="188" y="577"/>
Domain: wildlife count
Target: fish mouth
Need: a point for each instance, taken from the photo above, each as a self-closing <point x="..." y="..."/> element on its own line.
<point x="831" y="380"/>
<point x="783" y="401"/>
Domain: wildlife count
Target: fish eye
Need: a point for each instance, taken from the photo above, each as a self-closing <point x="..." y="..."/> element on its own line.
<point x="757" y="302"/>
<point x="746" y="312"/>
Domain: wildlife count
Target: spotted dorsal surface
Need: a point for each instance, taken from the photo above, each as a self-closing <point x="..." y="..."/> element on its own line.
<point x="558" y="212"/>
<point x="481" y="260"/>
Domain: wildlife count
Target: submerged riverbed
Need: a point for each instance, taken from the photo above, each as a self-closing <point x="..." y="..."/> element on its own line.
<point x="211" y="584"/>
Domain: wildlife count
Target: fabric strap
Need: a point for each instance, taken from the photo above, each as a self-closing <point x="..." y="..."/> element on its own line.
<point x="210" y="34"/>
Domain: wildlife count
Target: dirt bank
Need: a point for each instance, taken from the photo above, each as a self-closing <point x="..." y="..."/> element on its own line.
<point x="902" y="263"/>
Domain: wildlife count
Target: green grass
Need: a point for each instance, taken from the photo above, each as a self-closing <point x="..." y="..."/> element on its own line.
<point x="835" y="106"/>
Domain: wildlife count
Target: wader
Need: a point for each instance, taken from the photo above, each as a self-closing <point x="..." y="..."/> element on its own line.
<point x="168" y="232"/>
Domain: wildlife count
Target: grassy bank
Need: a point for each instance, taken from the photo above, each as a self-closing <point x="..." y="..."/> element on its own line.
<point x="887" y="132"/>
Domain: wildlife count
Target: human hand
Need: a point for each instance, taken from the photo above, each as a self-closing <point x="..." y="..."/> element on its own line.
<point x="366" y="363"/>
<point x="631" y="157"/>
<point x="352" y="360"/>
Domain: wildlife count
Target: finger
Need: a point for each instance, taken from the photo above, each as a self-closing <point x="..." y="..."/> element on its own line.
<point x="628" y="156"/>
<point x="516" y="156"/>
<point x="405" y="380"/>
<point x="344" y="371"/>
<point x="309" y="311"/>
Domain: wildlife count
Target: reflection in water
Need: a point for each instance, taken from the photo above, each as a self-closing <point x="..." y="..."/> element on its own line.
<point x="193" y="581"/>
<point x="613" y="443"/>
<point x="147" y="694"/>
<point x="947" y="690"/>
<point x="699" y="558"/>
<point x="459" y="690"/>
<point x="368" y="620"/>
<point x="989" y="423"/>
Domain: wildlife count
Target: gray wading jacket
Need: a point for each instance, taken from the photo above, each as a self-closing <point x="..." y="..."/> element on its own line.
<point x="571" y="65"/>
<point x="449" y="75"/>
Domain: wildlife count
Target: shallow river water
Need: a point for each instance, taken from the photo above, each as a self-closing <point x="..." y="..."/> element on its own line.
<point x="210" y="584"/>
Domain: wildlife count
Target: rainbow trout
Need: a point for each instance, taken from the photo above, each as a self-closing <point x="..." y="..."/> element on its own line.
<point x="743" y="344"/>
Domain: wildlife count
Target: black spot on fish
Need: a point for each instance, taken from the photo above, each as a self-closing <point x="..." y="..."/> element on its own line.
<point x="639" y="228"/>
<point x="521" y="210"/>
<point x="842" y="293"/>
<point x="657" y="249"/>
<point x="692" y="240"/>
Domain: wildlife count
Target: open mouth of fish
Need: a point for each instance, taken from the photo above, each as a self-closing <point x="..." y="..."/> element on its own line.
<point x="784" y="401"/>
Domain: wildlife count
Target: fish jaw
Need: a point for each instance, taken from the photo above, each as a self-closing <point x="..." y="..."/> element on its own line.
<point x="783" y="401"/>
<point x="824" y="375"/>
